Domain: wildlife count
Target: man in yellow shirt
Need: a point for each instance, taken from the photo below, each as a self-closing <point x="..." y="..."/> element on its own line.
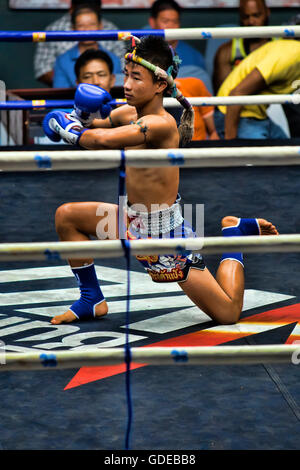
<point x="231" y="53"/>
<point x="271" y="69"/>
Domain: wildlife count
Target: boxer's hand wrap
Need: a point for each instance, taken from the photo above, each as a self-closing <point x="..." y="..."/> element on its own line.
<point x="59" y="125"/>
<point x="91" y="102"/>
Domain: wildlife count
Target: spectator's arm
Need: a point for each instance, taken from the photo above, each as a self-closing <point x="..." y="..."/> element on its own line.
<point x="210" y="126"/>
<point x="253" y="84"/>
<point x="47" y="78"/>
<point x="60" y="79"/>
<point x="44" y="59"/>
<point x="222" y="66"/>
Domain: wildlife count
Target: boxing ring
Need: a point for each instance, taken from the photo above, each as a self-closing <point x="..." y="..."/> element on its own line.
<point x="57" y="162"/>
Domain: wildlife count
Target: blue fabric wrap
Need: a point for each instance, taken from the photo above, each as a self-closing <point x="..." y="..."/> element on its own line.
<point x="90" y="291"/>
<point x="243" y="228"/>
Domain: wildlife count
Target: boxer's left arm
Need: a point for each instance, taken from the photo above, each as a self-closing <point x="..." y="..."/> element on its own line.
<point x="120" y="116"/>
<point x="148" y="128"/>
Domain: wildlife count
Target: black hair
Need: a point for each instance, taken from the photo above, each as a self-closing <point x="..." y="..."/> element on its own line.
<point x="161" y="5"/>
<point x="156" y="50"/>
<point x="83" y="8"/>
<point x="258" y="3"/>
<point x="92" y="54"/>
<point x="75" y="3"/>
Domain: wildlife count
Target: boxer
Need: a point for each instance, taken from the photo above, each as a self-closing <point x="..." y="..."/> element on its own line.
<point x="143" y="123"/>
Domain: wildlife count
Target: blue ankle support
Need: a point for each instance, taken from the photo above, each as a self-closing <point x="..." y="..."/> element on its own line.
<point x="244" y="227"/>
<point x="91" y="294"/>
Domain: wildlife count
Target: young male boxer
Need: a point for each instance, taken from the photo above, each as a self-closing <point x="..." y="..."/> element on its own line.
<point x="153" y="204"/>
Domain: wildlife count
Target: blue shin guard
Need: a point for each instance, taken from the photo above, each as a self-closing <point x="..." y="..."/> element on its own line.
<point x="244" y="227"/>
<point x="91" y="294"/>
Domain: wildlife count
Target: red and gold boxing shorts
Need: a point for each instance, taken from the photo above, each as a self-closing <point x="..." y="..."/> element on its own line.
<point x="166" y="223"/>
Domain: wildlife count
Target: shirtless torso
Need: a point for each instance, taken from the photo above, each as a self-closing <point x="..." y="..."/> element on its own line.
<point x="140" y="126"/>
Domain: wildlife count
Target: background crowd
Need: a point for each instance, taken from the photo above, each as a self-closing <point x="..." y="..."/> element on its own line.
<point x="234" y="67"/>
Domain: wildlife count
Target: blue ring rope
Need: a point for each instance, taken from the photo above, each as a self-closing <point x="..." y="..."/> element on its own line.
<point x="48" y="36"/>
<point x="127" y="351"/>
<point x="46" y="104"/>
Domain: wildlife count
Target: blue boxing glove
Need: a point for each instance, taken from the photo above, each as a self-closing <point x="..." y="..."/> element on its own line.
<point x="59" y="125"/>
<point x="91" y="102"/>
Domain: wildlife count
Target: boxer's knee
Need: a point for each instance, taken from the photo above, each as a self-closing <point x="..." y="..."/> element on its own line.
<point x="63" y="217"/>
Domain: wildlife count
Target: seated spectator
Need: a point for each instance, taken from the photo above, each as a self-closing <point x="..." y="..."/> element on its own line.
<point x="84" y="18"/>
<point x="95" y="67"/>
<point x="230" y="54"/>
<point x="292" y="111"/>
<point x="46" y="52"/>
<point x="165" y="14"/>
<point x="92" y="66"/>
<point x="204" y="126"/>
<point x="270" y="69"/>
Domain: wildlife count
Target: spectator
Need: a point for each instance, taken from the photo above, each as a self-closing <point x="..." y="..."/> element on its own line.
<point x="95" y="67"/>
<point x="204" y="126"/>
<point x="270" y="69"/>
<point x="84" y="18"/>
<point x="46" y="52"/>
<point x="230" y="54"/>
<point x="292" y="111"/>
<point x="165" y="14"/>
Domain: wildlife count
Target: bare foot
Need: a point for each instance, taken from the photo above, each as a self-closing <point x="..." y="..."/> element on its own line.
<point x="69" y="316"/>
<point x="265" y="227"/>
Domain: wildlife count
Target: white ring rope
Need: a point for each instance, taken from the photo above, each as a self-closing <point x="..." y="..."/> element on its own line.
<point x="113" y="248"/>
<point x="233" y="32"/>
<point x="60" y="160"/>
<point x="236" y="100"/>
<point x="206" y="355"/>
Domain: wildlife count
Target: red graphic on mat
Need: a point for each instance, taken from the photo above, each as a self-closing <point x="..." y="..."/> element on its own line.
<point x="208" y="337"/>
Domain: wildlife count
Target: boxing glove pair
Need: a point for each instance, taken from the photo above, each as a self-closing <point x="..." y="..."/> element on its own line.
<point x="90" y="102"/>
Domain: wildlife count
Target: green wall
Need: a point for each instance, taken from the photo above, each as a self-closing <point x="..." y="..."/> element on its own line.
<point x="16" y="59"/>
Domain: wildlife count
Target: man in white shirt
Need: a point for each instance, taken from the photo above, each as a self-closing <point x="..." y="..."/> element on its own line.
<point x="46" y="52"/>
